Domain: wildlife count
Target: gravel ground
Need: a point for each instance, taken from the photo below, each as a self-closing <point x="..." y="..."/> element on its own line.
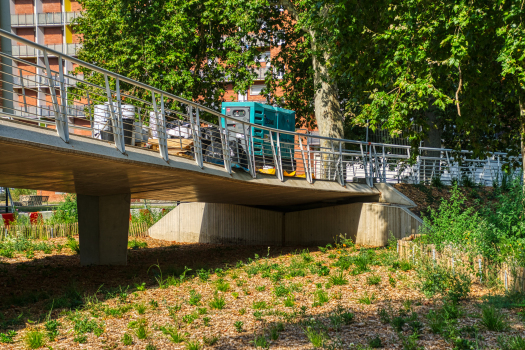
<point x="133" y="288"/>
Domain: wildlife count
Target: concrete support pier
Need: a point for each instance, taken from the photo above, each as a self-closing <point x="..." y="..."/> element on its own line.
<point x="103" y="225"/>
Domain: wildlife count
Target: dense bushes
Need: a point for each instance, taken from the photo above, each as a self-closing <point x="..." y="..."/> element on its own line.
<point x="496" y="231"/>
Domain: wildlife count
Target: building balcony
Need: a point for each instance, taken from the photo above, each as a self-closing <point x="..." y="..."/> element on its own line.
<point x="71" y="16"/>
<point x="57" y="18"/>
<point x="27" y="51"/>
<point x="24" y="20"/>
<point x="50" y="18"/>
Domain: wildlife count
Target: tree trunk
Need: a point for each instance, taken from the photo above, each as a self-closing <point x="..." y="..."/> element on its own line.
<point x="522" y="137"/>
<point x="328" y="114"/>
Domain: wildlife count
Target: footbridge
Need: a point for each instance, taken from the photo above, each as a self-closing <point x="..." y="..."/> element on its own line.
<point x="70" y="126"/>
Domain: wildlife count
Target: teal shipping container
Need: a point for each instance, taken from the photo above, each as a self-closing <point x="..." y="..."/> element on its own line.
<point x="265" y="115"/>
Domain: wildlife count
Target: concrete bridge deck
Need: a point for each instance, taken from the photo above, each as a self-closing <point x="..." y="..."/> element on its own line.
<point x="34" y="157"/>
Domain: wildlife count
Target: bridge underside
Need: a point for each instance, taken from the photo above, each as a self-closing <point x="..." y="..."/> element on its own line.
<point x="105" y="180"/>
<point x="32" y="157"/>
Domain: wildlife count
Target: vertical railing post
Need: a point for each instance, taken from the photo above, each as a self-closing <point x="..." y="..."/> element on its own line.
<point x="275" y="159"/>
<point x="249" y="151"/>
<point x="340" y="167"/>
<point x="23" y="91"/>
<point x="225" y="144"/>
<point x="279" y="156"/>
<point x="61" y="125"/>
<point x="117" y="132"/>
<point x="92" y="123"/>
<point x="307" y="169"/>
<point x="196" y="134"/>
<point x="161" y="126"/>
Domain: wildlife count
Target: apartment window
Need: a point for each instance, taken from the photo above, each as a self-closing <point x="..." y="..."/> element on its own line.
<point x="265" y="56"/>
<point x="256" y="90"/>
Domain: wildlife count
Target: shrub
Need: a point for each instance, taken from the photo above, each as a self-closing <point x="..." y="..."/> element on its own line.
<point x="34" y="339"/>
<point x="217" y="302"/>
<point x="511" y="343"/>
<point x="173" y="334"/>
<point x="493" y="319"/>
<point x="7" y="337"/>
<point x="195" y="298"/>
<point x="438" y="279"/>
<point x="127" y="339"/>
<point x="221" y="285"/>
<point x="373" y="280"/>
<point x="238" y="326"/>
<point x="338" y="278"/>
<point x="73" y="245"/>
<point x="375" y="343"/>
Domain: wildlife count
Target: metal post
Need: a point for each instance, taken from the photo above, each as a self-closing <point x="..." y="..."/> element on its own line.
<point x="279" y="156"/>
<point x="197" y="145"/>
<point x="277" y="170"/>
<point x="161" y="129"/>
<point x="114" y="119"/>
<point x="92" y="123"/>
<point x="225" y="144"/>
<point x="62" y="128"/>
<point x="480" y="271"/>
<point x="365" y="165"/>
<point x="249" y="151"/>
<point x="307" y="169"/>
<point x="339" y="167"/>
<point x="23" y="91"/>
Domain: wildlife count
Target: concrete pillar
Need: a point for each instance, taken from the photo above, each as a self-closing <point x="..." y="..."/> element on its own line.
<point x="103" y="224"/>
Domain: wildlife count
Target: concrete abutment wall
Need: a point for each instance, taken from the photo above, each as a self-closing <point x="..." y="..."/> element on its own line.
<point x="366" y="223"/>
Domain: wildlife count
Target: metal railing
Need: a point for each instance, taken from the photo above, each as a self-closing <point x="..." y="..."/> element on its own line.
<point x="51" y="18"/>
<point x="29" y="51"/>
<point x="129" y="113"/>
<point x="23" y="20"/>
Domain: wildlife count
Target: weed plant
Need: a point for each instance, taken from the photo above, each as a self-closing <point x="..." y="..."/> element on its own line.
<point x="238" y="326"/>
<point x="127" y="339"/>
<point x="35" y="339"/>
<point x="7" y="337"/>
<point x="174" y="335"/>
<point x="210" y="341"/>
<point x="373" y="280"/>
<point x="218" y="302"/>
<point x="493" y="319"/>
<point x="511" y="343"/>
<point x="338" y="279"/>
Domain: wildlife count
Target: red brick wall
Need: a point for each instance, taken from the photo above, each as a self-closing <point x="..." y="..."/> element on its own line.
<point x="75" y="6"/>
<point x="26" y="68"/>
<point x="51" y="6"/>
<point x="53" y="35"/>
<point x="23" y="7"/>
<point x="75" y="37"/>
<point x="26" y="33"/>
<point x="82" y="122"/>
<point x="31" y="97"/>
<point x="53" y="196"/>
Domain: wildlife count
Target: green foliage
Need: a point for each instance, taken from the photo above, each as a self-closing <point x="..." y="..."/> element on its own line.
<point x="140" y="308"/>
<point x="367" y="299"/>
<point x="51" y="327"/>
<point x="135" y="244"/>
<point x="375" y="342"/>
<point x="195" y="298"/>
<point x="442" y="280"/>
<point x="218" y="302"/>
<point x="238" y="326"/>
<point x="493" y="319"/>
<point x="320" y="298"/>
<point x="72" y="244"/>
<point x="259" y="305"/>
<point x="221" y="285"/>
<point x="150" y="346"/>
<point x="260" y="341"/>
<point x="338" y="278"/>
<point x="511" y="343"/>
<point x="211" y="340"/>
<point x="127" y="339"/>
<point x="317" y="337"/>
<point x="34" y="339"/>
<point x="173" y="334"/>
<point x="66" y="212"/>
<point x="373" y="280"/>
<point x="7" y="337"/>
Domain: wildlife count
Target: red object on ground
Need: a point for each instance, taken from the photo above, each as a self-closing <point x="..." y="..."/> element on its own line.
<point x="34" y="217"/>
<point x="8" y="218"/>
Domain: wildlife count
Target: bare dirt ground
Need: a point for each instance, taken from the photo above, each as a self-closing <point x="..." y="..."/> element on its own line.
<point x="277" y="295"/>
